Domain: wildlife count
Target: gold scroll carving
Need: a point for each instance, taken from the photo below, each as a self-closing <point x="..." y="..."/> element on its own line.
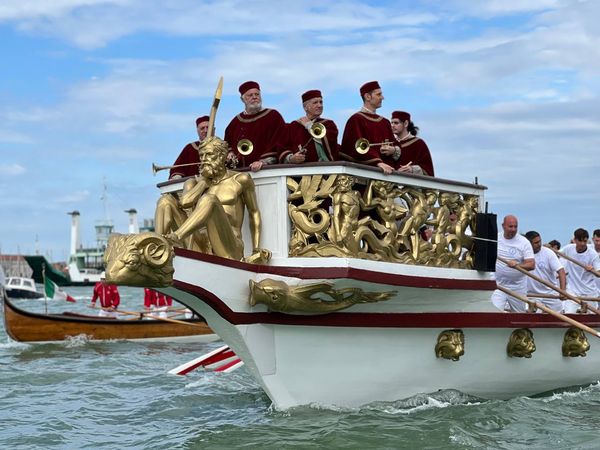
<point x="309" y="298"/>
<point x="520" y="343"/>
<point x="340" y="215"/>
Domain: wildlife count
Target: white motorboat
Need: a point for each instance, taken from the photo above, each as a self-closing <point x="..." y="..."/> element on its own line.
<point x="22" y="288"/>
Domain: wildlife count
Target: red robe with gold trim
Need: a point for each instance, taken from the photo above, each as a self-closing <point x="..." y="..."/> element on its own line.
<point x="373" y="127"/>
<point x="297" y="134"/>
<point x="415" y="150"/>
<point x="266" y="130"/>
<point x="189" y="154"/>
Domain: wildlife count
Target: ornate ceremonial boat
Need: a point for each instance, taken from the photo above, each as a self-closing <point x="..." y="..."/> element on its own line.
<point x="354" y="306"/>
<point x="30" y="327"/>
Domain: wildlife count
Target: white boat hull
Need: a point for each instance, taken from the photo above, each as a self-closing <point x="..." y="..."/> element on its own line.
<point x="378" y="351"/>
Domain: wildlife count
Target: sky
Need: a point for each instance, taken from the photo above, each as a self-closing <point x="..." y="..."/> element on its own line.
<point x="93" y="91"/>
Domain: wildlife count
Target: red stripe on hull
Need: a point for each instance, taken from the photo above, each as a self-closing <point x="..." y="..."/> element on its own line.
<point x="371" y="276"/>
<point x="388" y="320"/>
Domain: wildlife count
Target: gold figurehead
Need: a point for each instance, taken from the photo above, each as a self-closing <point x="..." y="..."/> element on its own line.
<point x="218" y="202"/>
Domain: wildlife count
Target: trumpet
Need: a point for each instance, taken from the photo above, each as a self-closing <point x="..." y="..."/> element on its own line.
<point x="317" y="130"/>
<point x="156" y="168"/>
<point x="245" y="146"/>
<point x="362" y="145"/>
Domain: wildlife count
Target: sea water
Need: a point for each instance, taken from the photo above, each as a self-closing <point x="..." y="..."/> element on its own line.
<point x="118" y="395"/>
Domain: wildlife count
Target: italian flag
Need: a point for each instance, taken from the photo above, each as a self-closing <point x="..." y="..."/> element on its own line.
<point x="53" y="292"/>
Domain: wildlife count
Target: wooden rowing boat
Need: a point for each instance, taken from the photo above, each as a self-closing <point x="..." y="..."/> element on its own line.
<point x="26" y="326"/>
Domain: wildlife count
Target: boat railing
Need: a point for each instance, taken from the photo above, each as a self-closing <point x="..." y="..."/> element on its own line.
<point x="354" y="211"/>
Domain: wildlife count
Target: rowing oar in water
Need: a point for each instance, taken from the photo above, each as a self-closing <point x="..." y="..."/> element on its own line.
<point x="550" y="311"/>
<point x="553" y="287"/>
<point x="165" y="319"/>
<point x="574" y="261"/>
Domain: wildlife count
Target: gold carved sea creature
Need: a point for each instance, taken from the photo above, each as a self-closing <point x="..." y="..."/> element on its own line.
<point x="144" y="260"/>
<point x="575" y="343"/>
<point x="521" y="343"/>
<point x="309" y="298"/>
<point x="450" y="345"/>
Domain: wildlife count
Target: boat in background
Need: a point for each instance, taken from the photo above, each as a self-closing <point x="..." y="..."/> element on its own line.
<point x="30" y="327"/>
<point x="22" y="288"/>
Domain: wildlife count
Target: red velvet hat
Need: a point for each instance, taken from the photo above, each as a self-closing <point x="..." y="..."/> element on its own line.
<point x="245" y="87"/>
<point x="309" y="95"/>
<point x="201" y="119"/>
<point x="401" y="116"/>
<point x="369" y="87"/>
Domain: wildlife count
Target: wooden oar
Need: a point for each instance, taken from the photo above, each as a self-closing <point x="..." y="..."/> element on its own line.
<point x="181" y="322"/>
<point x="550" y="311"/>
<point x="589" y="299"/>
<point x="552" y="286"/>
<point x="574" y="261"/>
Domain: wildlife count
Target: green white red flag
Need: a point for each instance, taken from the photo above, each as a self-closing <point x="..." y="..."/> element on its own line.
<point x="53" y="292"/>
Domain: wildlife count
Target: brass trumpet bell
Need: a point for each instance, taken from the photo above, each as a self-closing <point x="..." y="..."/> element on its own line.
<point x="245" y="146"/>
<point x="317" y="130"/>
<point x="362" y="146"/>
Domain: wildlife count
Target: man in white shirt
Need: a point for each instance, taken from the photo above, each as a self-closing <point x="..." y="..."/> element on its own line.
<point x="581" y="282"/>
<point x="596" y="244"/>
<point x="517" y="250"/>
<point x="547" y="267"/>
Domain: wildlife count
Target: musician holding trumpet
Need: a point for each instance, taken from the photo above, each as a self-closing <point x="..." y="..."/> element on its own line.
<point x="368" y="137"/>
<point x="311" y="138"/>
<point x="256" y="135"/>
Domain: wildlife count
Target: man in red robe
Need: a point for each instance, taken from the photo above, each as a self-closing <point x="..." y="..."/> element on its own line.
<point x="263" y="127"/>
<point x="414" y="153"/>
<point x="109" y="297"/>
<point x="190" y="153"/>
<point x="369" y="125"/>
<point x="301" y="145"/>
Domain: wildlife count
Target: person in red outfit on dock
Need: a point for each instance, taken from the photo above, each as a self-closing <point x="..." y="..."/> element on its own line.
<point x="109" y="297"/>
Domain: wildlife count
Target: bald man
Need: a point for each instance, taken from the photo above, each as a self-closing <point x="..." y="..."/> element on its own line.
<point x="519" y="253"/>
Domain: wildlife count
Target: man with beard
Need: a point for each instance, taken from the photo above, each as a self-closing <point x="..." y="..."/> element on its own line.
<point x="547" y="267"/>
<point x="367" y="124"/>
<point x="414" y="153"/>
<point x="220" y="199"/>
<point x="301" y="145"/>
<point x="263" y="127"/>
<point x="189" y="154"/>
<point x="517" y="250"/>
<point x="581" y="280"/>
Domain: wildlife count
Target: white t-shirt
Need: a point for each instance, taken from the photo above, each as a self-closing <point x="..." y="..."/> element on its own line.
<point x="547" y="265"/>
<point x="580" y="281"/>
<point x="519" y="249"/>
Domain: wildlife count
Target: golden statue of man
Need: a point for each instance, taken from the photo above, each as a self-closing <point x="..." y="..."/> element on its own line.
<point x="219" y="200"/>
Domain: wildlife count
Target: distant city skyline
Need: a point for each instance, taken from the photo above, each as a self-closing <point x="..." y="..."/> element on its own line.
<point x="506" y="91"/>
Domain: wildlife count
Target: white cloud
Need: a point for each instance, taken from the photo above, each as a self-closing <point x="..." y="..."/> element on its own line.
<point x="12" y="169"/>
<point x="73" y="197"/>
